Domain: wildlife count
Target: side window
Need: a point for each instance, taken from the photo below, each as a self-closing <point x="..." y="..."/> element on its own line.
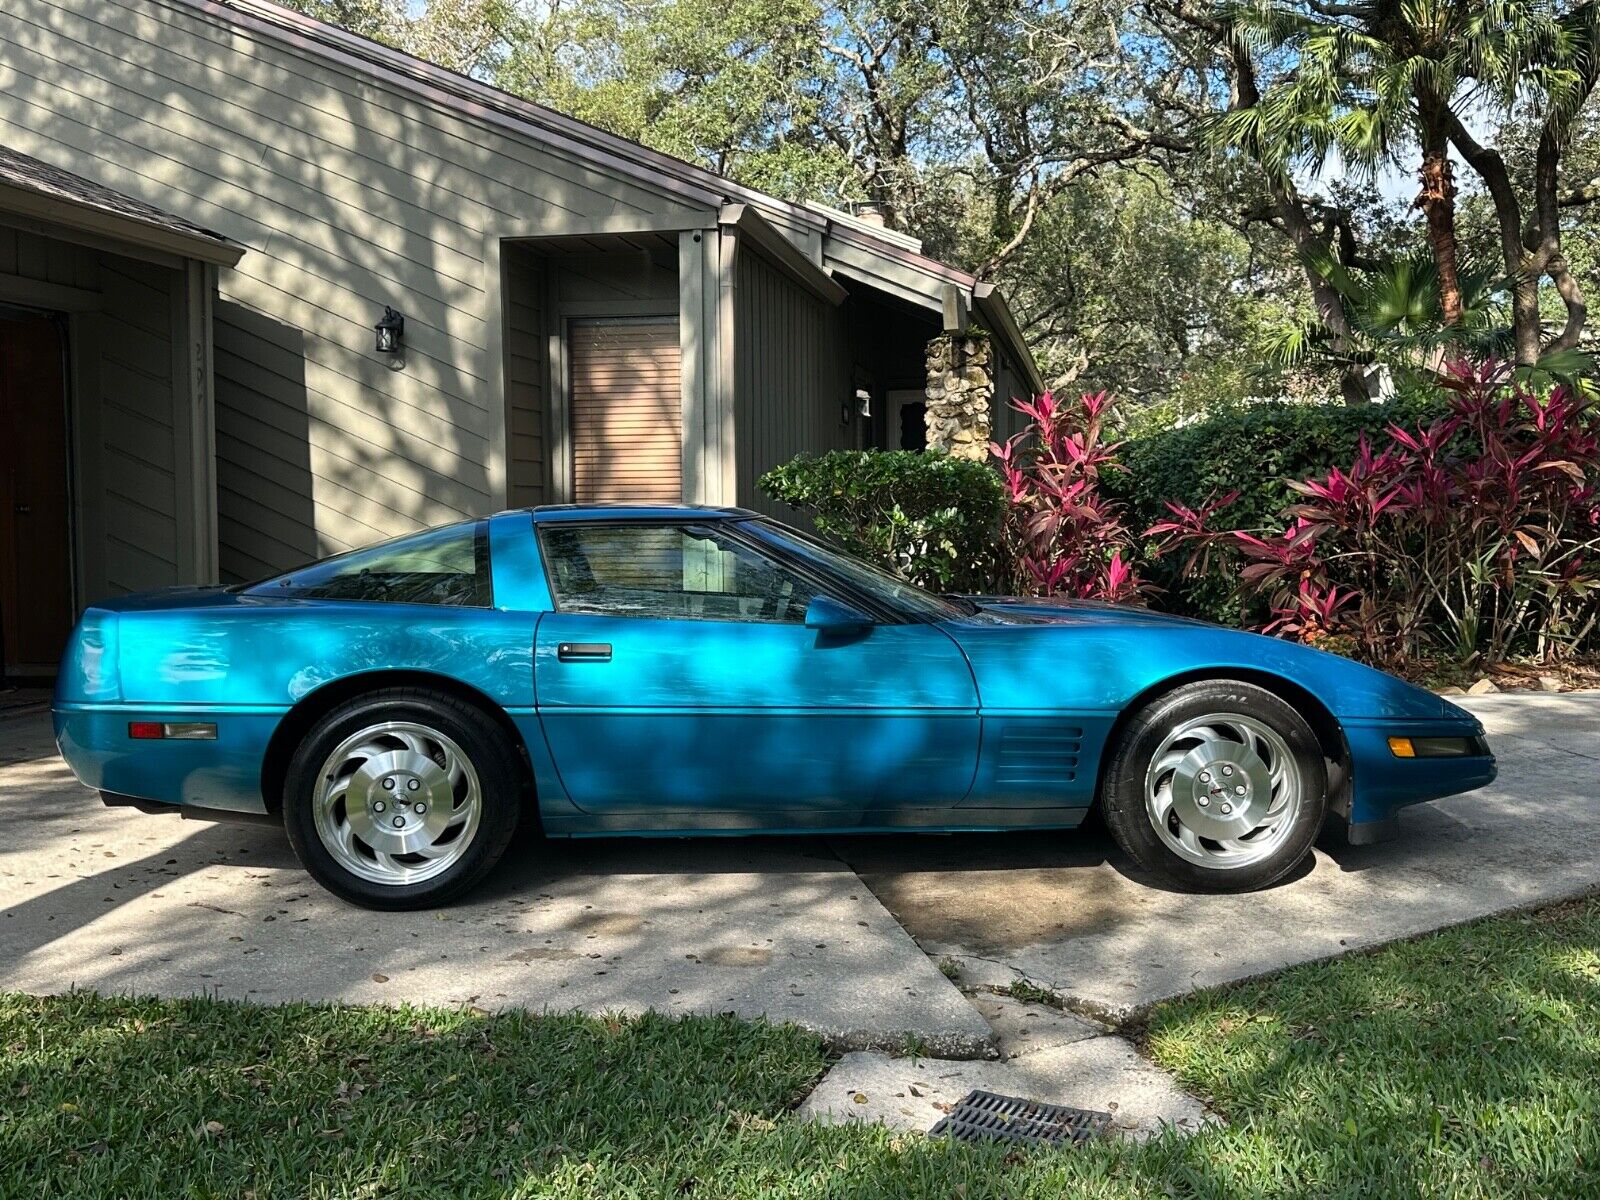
<point x="448" y="566"/>
<point x="689" y="572"/>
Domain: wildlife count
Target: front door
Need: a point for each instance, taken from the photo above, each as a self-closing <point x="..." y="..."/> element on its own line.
<point x="678" y="676"/>
<point x="35" y="568"/>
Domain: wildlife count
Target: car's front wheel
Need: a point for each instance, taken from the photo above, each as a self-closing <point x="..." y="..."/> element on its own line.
<point x="402" y="798"/>
<point x="1217" y="786"/>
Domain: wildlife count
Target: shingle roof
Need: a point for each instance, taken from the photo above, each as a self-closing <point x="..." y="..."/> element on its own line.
<point x="33" y="175"/>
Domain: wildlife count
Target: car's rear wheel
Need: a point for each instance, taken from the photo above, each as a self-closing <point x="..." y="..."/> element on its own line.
<point x="1216" y="786"/>
<point x="402" y="798"/>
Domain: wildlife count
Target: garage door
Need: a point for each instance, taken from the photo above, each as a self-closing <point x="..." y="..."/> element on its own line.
<point x="626" y="412"/>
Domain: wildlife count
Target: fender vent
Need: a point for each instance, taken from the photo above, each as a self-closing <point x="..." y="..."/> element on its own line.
<point x="988" y="1116"/>
<point x="1035" y="754"/>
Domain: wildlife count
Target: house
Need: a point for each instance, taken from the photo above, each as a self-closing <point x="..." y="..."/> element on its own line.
<point x="209" y="207"/>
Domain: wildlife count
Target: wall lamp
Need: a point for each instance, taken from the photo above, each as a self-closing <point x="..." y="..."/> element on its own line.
<point x="391" y="331"/>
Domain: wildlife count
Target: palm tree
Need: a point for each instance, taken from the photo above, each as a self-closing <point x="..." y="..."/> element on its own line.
<point x="1374" y="79"/>
<point x="1397" y="317"/>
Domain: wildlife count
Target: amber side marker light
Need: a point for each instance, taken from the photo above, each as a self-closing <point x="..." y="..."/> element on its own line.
<point x="176" y="731"/>
<point x="1438" y="747"/>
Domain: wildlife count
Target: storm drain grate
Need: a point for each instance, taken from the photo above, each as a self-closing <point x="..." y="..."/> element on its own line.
<point x="987" y="1115"/>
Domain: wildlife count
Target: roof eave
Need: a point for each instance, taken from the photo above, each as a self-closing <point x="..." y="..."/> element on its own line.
<point x="990" y="303"/>
<point x="73" y="214"/>
<point x="779" y="250"/>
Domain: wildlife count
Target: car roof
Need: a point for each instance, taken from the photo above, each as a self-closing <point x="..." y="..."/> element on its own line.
<point x="636" y="512"/>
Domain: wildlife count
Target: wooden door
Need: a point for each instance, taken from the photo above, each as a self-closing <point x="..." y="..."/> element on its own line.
<point x="35" y="547"/>
<point x="625" y="412"/>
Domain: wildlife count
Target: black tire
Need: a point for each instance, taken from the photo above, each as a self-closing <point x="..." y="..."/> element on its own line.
<point x="480" y="740"/>
<point x="1123" y="799"/>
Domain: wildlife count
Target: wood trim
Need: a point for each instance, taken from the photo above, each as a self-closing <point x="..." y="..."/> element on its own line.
<point x="563" y="223"/>
<point x="496" y="319"/>
<point x="991" y="304"/>
<point x="58" y="297"/>
<point x="781" y="252"/>
<point x="201" y="291"/>
<point x="692" y="363"/>
<point x="721" y="435"/>
<point x="94" y="241"/>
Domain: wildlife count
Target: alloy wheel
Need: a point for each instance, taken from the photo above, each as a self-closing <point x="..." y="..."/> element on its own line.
<point x="1223" y="790"/>
<point x="397" y="803"/>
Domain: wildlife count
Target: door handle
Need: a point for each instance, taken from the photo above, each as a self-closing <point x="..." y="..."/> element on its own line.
<point x="583" y="651"/>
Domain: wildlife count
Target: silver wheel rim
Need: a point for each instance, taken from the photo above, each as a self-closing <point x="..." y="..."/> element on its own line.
<point x="1223" y="791"/>
<point x="397" y="803"/>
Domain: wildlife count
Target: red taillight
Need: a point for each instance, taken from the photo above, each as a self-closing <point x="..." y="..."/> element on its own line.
<point x="175" y="731"/>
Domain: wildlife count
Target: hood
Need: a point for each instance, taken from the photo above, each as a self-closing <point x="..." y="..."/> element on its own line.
<point x="1088" y="656"/>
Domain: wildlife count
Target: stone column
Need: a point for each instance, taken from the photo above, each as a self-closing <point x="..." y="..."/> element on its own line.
<point x="960" y="391"/>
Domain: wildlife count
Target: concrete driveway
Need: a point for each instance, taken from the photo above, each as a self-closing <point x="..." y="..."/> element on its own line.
<point x="797" y="930"/>
<point x="1071" y="914"/>
<point x="122" y="901"/>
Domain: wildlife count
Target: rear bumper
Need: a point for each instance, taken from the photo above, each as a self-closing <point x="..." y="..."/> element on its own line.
<point x="224" y="774"/>
<point x="189" y="812"/>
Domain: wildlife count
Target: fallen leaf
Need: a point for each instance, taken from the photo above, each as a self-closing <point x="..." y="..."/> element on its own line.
<point x="380" y="979"/>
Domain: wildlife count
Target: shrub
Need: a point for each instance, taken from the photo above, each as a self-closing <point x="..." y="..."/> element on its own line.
<point x="1475" y="533"/>
<point x="1063" y="534"/>
<point x="1254" y="451"/>
<point x="931" y="518"/>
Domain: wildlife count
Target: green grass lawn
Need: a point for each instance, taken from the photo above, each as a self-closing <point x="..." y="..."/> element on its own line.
<point x="1464" y="1064"/>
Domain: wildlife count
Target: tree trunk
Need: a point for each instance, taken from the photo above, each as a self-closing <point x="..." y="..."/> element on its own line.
<point x="1437" y="200"/>
<point x="1491" y="168"/>
<point x="1292" y="211"/>
<point x="1324" y="297"/>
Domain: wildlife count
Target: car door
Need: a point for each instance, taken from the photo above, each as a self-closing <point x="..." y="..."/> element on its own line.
<point x="677" y="675"/>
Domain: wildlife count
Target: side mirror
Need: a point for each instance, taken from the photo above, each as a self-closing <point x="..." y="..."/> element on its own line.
<point x="833" y="617"/>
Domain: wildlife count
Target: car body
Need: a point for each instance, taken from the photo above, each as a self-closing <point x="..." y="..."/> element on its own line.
<point x="640" y="712"/>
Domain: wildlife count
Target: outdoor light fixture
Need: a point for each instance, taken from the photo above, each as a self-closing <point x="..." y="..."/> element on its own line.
<point x="864" y="402"/>
<point x="391" y="331"/>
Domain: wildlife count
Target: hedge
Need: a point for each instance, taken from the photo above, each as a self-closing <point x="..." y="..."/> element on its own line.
<point x="933" y="518"/>
<point x="1254" y="450"/>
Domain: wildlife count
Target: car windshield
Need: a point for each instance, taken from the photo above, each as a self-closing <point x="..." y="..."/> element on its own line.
<point x="884" y="587"/>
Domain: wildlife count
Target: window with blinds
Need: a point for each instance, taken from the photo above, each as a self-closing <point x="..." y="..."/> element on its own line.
<point x="625" y="412"/>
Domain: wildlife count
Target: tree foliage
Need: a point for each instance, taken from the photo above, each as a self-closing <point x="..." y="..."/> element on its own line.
<point x="1181" y="196"/>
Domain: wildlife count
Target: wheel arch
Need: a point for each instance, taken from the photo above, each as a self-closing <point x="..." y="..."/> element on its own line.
<point x="1329" y="733"/>
<point x="316" y="704"/>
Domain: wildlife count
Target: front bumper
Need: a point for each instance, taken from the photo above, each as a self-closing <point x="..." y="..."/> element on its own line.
<point x="1382" y="783"/>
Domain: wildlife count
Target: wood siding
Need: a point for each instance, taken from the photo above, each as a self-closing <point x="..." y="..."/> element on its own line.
<point x="626" y="405"/>
<point x="527" y="375"/>
<point x="1009" y="384"/>
<point x="792" y="375"/>
<point x="131" y="478"/>
<point x="348" y="194"/>
<point x="26" y="255"/>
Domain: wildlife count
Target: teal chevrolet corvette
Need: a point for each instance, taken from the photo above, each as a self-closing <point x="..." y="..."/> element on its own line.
<point x="679" y="670"/>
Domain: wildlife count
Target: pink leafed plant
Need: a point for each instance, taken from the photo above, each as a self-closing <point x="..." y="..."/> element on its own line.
<point x="1063" y="536"/>
<point x="1475" y="535"/>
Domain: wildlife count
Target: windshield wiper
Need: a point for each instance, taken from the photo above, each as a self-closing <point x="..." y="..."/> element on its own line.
<point x="964" y="603"/>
